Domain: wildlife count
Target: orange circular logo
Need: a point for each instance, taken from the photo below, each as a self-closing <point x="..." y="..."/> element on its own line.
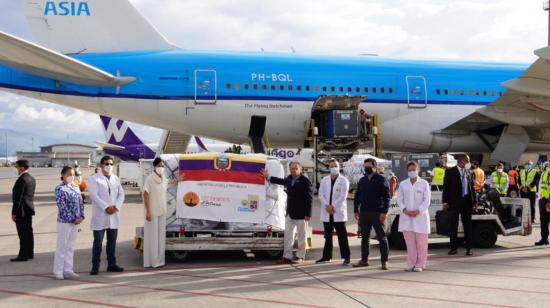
<point x="191" y="199"/>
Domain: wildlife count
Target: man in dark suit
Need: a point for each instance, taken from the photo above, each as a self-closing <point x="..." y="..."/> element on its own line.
<point x="458" y="198"/>
<point x="298" y="211"/>
<point x="23" y="210"/>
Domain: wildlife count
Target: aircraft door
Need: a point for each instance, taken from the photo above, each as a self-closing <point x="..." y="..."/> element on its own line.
<point x="417" y="95"/>
<point x="206" y="90"/>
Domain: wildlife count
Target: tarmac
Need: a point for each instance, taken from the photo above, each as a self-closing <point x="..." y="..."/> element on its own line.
<point x="512" y="274"/>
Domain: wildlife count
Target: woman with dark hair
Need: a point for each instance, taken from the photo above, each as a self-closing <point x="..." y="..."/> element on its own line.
<point x="70" y="216"/>
<point x="154" y="200"/>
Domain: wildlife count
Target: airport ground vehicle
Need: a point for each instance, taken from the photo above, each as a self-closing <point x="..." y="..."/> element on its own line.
<point x="487" y="224"/>
<point x="183" y="235"/>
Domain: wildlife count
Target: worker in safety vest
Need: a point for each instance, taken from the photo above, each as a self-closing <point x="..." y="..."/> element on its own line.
<point x="438" y="176"/>
<point x="499" y="180"/>
<point x="479" y="176"/>
<point x="544" y="205"/>
<point x="528" y="181"/>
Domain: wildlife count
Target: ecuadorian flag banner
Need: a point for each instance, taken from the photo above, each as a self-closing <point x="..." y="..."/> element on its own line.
<point x="222" y="187"/>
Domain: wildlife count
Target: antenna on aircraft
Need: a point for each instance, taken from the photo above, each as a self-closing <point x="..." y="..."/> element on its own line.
<point x="292" y="49"/>
<point x="262" y="49"/>
<point x="546" y="7"/>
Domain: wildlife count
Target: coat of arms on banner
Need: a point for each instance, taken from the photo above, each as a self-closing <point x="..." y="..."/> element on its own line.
<point x="222" y="163"/>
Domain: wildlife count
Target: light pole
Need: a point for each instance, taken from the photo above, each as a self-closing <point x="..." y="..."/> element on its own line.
<point x="7" y="149"/>
<point x="546" y="7"/>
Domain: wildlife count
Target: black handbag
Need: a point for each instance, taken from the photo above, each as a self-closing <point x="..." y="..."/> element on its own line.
<point x="446" y="222"/>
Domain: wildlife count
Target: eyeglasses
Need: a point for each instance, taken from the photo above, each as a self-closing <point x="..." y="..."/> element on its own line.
<point x="108" y="164"/>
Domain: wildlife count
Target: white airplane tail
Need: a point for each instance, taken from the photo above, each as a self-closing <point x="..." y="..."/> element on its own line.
<point x="91" y="26"/>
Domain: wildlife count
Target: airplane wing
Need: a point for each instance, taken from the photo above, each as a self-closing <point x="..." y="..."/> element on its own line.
<point x="109" y="146"/>
<point x="520" y="116"/>
<point x="37" y="60"/>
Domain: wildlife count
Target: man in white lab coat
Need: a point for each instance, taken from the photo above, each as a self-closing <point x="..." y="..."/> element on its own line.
<point x="333" y="194"/>
<point x="107" y="197"/>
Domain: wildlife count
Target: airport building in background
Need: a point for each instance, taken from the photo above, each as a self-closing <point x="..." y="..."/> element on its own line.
<point x="59" y="155"/>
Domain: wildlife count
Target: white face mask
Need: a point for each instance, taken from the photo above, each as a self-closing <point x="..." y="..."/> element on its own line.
<point x="70" y="179"/>
<point x="108" y="169"/>
<point x="334" y="171"/>
<point x="159" y="170"/>
<point x="468" y="166"/>
<point x="500" y="170"/>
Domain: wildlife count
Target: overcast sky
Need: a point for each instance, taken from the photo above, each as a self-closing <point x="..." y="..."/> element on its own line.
<point x="496" y="30"/>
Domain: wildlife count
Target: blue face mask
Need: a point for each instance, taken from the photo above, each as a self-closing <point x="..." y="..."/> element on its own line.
<point x="413" y="174"/>
<point x="368" y="170"/>
<point x="527" y="167"/>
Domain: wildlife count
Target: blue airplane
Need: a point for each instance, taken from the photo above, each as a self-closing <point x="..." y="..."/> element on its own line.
<point x="104" y="57"/>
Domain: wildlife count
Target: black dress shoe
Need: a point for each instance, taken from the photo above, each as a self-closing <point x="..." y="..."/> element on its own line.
<point x="94" y="271"/>
<point x="115" y="269"/>
<point x="452" y="252"/>
<point x="346" y="262"/>
<point x="541" y="243"/>
<point x="469" y="252"/>
<point x="19" y="259"/>
<point x="323" y="260"/>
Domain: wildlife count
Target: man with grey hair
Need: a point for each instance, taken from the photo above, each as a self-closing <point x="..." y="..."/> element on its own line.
<point x="298" y="211"/>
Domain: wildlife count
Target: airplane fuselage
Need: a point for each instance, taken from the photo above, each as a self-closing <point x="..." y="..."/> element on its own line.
<point x="215" y="94"/>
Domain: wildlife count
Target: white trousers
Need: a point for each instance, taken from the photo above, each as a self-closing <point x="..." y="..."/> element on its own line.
<point x="154" y="241"/>
<point x="64" y="252"/>
<point x="291" y="225"/>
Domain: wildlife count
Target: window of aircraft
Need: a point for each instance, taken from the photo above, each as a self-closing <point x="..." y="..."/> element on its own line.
<point x="307" y="88"/>
<point x="461" y="92"/>
<point x="255" y="86"/>
<point x="298" y="88"/>
<point x="484" y="92"/>
<point x="350" y="89"/>
<point x="366" y="89"/>
<point x="382" y="90"/>
<point x="454" y="92"/>
<point x="264" y="87"/>
<point x="374" y="90"/>
<point x="499" y="93"/>
<point x="315" y="88"/>
<point x="282" y="87"/>
<point x="341" y="89"/>
<point x="237" y="86"/>
<point x="358" y="89"/>
<point x="333" y="88"/>
<point x="290" y="87"/>
<point x="477" y="92"/>
<point x="470" y="92"/>
<point x="228" y="86"/>
<point x="324" y="88"/>
<point x="273" y="87"/>
<point x="246" y="86"/>
<point x="390" y="90"/>
<point x="438" y="92"/>
<point x="492" y="92"/>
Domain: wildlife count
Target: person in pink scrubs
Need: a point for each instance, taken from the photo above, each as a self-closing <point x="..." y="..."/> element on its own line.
<point x="413" y="198"/>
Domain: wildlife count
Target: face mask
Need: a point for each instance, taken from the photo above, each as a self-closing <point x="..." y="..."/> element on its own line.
<point x="413" y="174"/>
<point x="334" y="171"/>
<point x="108" y="169"/>
<point x="159" y="170"/>
<point x="527" y="166"/>
<point x="500" y="170"/>
<point x="468" y="166"/>
<point x="368" y="170"/>
<point x="70" y="179"/>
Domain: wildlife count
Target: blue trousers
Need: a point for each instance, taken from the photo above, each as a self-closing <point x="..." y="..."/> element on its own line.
<point x="111" y="247"/>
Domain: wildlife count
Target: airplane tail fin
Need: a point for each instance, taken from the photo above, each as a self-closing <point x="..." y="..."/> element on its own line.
<point x="91" y="26"/>
<point x="118" y="133"/>
<point x="201" y="145"/>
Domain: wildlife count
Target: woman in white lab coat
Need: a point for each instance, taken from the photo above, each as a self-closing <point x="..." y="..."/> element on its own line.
<point x="333" y="194"/>
<point x="413" y="198"/>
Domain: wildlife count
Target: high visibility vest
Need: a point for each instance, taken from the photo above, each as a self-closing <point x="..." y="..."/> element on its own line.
<point x="479" y="178"/>
<point x="545" y="185"/>
<point x="527" y="178"/>
<point x="499" y="181"/>
<point x="439" y="176"/>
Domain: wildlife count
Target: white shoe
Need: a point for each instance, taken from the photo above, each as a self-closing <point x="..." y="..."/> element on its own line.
<point x="71" y="275"/>
<point x="59" y="277"/>
<point x="418" y="269"/>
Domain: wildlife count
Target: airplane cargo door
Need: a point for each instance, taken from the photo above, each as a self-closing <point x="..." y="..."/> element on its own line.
<point x="417" y="96"/>
<point x="206" y="89"/>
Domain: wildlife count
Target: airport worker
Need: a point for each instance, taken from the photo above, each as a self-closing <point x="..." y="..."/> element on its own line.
<point x="544" y="207"/>
<point x="479" y="176"/>
<point x="394" y="185"/>
<point x="333" y="195"/>
<point x="107" y="197"/>
<point x="413" y="198"/>
<point x="363" y="119"/>
<point x="513" y="181"/>
<point x="23" y="210"/>
<point x="298" y="211"/>
<point x="499" y="180"/>
<point x="371" y="203"/>
<point x="528" y="181"/>
<point x="70" y="215"/>
<point x="438" y="175"/>
<point x="154" y="200"/>
<point x="458" y="198"/>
